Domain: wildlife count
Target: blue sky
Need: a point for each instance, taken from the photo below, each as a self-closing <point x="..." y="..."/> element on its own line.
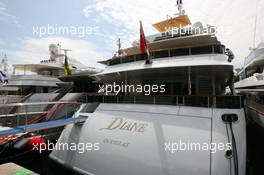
<point x="19" y="17"/>
<point x="117" y="18"/>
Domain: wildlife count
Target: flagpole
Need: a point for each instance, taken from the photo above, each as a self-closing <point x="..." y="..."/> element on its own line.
<point x="143" y="44"/>
<point x="67" y="70"/>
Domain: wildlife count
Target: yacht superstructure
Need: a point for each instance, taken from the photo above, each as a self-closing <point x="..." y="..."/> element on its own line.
<point x="43" y="76"/>
<point x="135" y="130"/>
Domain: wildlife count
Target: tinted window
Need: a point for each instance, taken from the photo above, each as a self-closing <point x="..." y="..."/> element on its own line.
<point x="201" y="50"/>
<point x="141" y="57"/>
<point x="127" y="59"/>
<point x="161" y="54"/>
<point x="218" y="49"/>
<point x="115" y="61"/>
<point x="179" y="52"/>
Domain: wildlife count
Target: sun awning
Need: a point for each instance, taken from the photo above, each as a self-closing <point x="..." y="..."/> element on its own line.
<point x="178" y="22"/>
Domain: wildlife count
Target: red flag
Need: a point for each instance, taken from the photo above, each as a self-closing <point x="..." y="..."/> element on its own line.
<point x="143" y="43"/>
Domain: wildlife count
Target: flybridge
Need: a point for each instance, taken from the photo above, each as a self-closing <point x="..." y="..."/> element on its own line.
<point x="178" y="22"/>
<point x="180" y="25"/>
<point x="170" y="52"/>
<point x="176" y="31"/>
<point x="181" y="31"/>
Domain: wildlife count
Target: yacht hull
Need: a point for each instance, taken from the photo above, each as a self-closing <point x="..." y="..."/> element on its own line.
<point x="138" y="139"/>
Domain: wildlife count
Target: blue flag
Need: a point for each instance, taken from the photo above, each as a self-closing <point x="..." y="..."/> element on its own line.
<point x="2" y="77"/>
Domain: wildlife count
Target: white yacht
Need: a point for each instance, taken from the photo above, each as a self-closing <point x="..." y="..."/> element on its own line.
<point x="43" y="76"/>
<point x="251" y="83"/>
<point x="47" y="95"/>
<point x="137" y="132"/>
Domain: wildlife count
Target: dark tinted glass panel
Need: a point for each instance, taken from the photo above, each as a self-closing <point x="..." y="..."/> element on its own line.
<point x="126" y="99"/>
<point x="110" y="99"/>
<point x="200" y="101"/>
<point x="179" y="52"/>
<point x="201" y="50"/>
<point x="233" y="102"/>
<point x="218" y="49"/>
<point x="127" y="59"/>
<point x="165" y="100"/>
<point x="115" y="61"/>
<point x="161" y="54"/>
<point x="144" y="99"/>
<point x="140" y="57"/>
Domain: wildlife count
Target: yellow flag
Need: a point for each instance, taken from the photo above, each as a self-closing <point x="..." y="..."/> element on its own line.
<point x="67" y="70"/>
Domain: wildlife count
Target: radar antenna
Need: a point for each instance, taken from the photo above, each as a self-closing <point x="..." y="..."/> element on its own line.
<point x="181" y="11"/>
<point x="66" y="51"/>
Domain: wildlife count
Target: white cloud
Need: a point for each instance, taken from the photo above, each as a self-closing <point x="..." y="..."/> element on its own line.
<point x="35" y="49"/>
<point x="127" y="13"/>
<point x="5" y="15"/>
<point x="87" y="10"/>
<point x="235" y="19"/>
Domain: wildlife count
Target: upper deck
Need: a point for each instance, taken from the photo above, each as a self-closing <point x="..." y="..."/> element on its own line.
<point x="187" y="59"/>
<point x="185" y="51"/>
<point x="171" y="47"/>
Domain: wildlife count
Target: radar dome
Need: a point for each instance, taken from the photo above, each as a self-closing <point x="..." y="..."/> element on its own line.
<point x="54" y="51"/>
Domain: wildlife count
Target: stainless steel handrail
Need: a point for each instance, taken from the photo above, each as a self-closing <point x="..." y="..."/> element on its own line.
<point x="224" y="101"/>
<point x="25" y="118"/>
<point x="38" y="103"/>
<point x="22" y="113"/>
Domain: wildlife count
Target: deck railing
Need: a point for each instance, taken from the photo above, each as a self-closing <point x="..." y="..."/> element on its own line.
<point x="10" y="99"/>
<point x="59" y="114"/>
<point x="174" y="52"/>
<point x="28" y="113"/>
<point x="233" y="102"/>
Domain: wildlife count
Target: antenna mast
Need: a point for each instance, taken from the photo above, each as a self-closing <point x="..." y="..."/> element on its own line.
<point x="119" y="46"/>
<point x="66" y="51"/>
<point x="181" y="11"/>
<point x="5" y="63"/>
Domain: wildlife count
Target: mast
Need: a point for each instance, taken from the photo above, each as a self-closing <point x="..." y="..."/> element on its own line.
<point x="179" y="5"/>
<point x="255" y="25"/>
<point x="5" y="63"/>
<point x="119" y="47"/>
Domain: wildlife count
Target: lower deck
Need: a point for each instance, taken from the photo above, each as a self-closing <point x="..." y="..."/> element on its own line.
<point x="185" y="80"/>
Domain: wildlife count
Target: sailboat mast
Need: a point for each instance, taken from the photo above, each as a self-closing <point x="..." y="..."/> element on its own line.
<point x="255" y="25"/>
